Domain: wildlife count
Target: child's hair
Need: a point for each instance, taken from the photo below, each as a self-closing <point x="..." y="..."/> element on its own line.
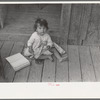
<point x="42" y="22"/>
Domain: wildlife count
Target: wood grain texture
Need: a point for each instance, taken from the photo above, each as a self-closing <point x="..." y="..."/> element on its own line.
<point x="93" y="36"/>
<point x="21" y="75"/>
<point x="83" y="65"/>
<point x="1" y="43"/>
<point x="75" y="23"/>
<point x="48" y="71"/>
<point x="35" y="72"/>
<point x="86" y="64"/>
<point x="95" y="53"/>
<point x="65" y="21"/>
<point x="9" y="71"/>
<point x="2" y="76"/>
<point x="85" y="17"/>
<point x="5" y="50"/>
<point x="74" y="64"/>
<point x="62" y="69"/>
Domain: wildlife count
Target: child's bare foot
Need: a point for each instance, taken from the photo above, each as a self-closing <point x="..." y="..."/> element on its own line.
<point x="63" y="59"/>
<point x="65" y="55"/>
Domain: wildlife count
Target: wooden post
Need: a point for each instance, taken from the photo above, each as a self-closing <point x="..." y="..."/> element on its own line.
<point x="84" y="22"/>
<point x="65" y="20"/>
<point x="75" y="23"/>
<point x="3" y="13"/>
<point x="93" y="36"/>
<point x="79" y="20"/>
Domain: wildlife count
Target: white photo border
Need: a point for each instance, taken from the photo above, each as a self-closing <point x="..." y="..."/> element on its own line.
<point x="50" y="90"/>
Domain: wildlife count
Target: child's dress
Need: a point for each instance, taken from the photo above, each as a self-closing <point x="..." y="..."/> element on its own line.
<point x="36" y="42"/>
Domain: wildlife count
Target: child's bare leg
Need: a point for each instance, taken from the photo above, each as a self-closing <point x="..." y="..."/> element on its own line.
<point x="57" y="55"/>
<point x="46" y="57"/>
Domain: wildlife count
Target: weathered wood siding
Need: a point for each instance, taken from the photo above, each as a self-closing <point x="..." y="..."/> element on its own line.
<point x="83" y="65"/>
<point x="93" y="32"/>
<point x="65" y="20"/>
<point x="75" y="24"/>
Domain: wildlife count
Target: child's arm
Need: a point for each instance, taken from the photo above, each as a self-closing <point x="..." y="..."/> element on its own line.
<point x="31" y="40"/>
<point x="30" y="49"/>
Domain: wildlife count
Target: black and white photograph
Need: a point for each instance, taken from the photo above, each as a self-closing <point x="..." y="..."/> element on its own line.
<point x="49" y="49"/>
<point x="50" y="42"/>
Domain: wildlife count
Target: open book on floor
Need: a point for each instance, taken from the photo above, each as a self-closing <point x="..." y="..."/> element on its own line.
<point x="18" y="61"/>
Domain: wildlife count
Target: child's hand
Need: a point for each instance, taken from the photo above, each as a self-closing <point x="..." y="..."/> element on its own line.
<point x="30" y="49"/>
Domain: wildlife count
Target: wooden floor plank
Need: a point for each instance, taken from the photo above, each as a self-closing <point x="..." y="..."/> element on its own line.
<point x="2" y="79"/>
<point x="86" y="64"/>
<point x="35" y="72"/>
<point x="21" y="75"/>
<point x="62" y="69"/>
<point x="1" y="66"/>
<point x="1" y="43"/>
<point x="95" y="53"/>
<point x="9" y="72"/>
<point x="74" y="64"/>
<point x="48" y="71"/>
<point x="5" y="50"/>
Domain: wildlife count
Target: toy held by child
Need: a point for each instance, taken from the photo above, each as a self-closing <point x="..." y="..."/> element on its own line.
<point x="40" y="45"/>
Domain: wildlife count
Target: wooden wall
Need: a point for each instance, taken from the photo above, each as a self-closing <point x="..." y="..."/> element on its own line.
<point x="80" y="24"/>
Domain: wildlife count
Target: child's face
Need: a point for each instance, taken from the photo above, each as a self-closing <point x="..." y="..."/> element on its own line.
<point x="41" y="29"/>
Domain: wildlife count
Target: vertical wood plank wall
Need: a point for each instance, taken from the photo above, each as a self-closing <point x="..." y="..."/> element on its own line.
<point x="80" y="23"/>
<point x="93" y="32"/>
<point x="65" y="20"/>
<point x="83" y="25"/>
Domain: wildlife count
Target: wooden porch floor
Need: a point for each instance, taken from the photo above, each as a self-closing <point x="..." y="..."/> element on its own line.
<point x="83" y="65"/>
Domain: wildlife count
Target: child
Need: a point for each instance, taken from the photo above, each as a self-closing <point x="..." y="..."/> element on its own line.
<point x="40" y="45"/>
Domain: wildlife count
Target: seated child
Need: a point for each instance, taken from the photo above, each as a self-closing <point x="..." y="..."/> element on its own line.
<point x="40" y="45"/>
